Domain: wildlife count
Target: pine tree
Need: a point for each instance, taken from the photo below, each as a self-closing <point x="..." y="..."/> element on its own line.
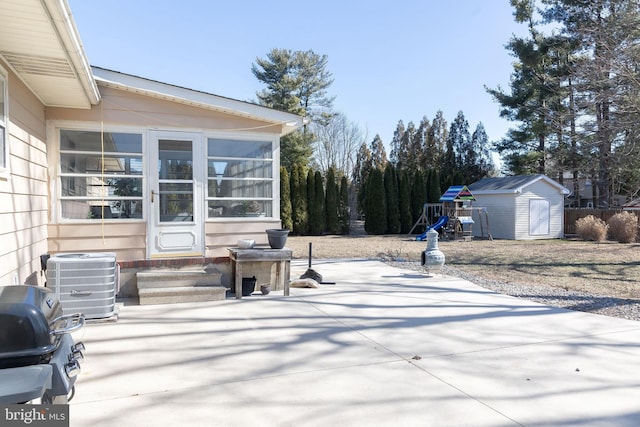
<point x="391" y="196"/>
<point x="422" y="156"/>
<point x="525" y="147"/>
<point x="331" y="203"/>
<point x="408" y="155"/>
<point x="435" y="142"/>
<point x="278" y="72"/>
<point x="286" y="213"/>
<point x="295" y="80"/>
<point x="376" y="213"/>
<point x="378" y="153"/>
<point x="398" y="155"/>
<point x="478" y="161"/>
<point x="458" y="145"/>
<point x="607" y="32"/>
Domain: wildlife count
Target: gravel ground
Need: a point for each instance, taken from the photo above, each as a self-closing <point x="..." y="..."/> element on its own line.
<point x="600" y="278"/>
<point x="548" y="295"/>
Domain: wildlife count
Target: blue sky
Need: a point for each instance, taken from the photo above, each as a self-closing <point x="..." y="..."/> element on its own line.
<point x="391" y="60"/>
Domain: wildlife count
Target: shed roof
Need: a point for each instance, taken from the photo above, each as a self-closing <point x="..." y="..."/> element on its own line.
<point x="457" y="192"/>
<point x="512" y="184"/>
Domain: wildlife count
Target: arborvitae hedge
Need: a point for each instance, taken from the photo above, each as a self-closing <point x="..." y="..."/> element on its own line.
<point x="391" y="195"/>
<point x="313" y="227"/>
<point x="299" y="200"/>
<point x="331" y="203"/>
<point x="286" y="213"/>
<point x="434" y="192"/>
<point x="376" y="207"/>
<point x="404" y="202"/>
<point x="343" y="206"/>
<point x="318" y="213"/>
<point x="418" y="197"/>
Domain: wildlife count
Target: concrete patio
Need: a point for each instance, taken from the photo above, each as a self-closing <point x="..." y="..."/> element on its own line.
<point x="381" y="347"/>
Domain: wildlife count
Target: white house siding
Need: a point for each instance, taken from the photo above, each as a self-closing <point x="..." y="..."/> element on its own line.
<point x="501" y="211"/>
<point x="540" y="190"/>
<point x="24" y="195"/>
<point x="127" y="240"/>
<point x="222" y="234"/>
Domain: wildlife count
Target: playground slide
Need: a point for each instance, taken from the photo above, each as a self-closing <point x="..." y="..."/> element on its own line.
<point x="441" y="222"/>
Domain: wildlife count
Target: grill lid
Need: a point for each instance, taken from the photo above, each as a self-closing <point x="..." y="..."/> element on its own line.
<point x="28" y="314"/>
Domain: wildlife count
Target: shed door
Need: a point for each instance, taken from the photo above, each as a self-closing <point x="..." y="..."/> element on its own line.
<point x="176" y="220"/>
<point x="539" y="215"/>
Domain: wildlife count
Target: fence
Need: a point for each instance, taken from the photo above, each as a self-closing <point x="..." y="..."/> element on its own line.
<point x="574" y="214"/>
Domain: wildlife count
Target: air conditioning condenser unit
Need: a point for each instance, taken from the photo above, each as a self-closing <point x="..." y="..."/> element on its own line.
<point x="85" y="282"/>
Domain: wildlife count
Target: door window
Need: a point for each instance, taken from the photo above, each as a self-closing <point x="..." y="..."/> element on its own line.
<point x="175" y="180"/>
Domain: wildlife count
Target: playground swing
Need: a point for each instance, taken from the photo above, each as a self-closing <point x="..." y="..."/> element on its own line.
<point x="430" y="211"/>
<point x="482" y="212"/>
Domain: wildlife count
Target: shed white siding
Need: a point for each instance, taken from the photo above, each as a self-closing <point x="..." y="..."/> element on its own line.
<point x="501" y="209"/>
<point x="536" y="191"/>
<point x="520" y="207"/>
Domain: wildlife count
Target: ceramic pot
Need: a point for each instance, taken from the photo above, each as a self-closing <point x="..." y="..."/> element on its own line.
<point x="265" y="289"/>
<point x="277" y="237"/>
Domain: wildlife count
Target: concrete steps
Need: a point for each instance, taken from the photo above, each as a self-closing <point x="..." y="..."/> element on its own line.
<point x="169" y="287"/>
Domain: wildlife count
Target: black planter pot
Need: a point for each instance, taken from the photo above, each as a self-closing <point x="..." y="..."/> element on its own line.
<point x="248" y="285"/>
<point x="277" y="237"/>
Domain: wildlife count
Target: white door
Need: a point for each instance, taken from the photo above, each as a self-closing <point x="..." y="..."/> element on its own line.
<point x="175" y="225"/>
<point x="539" y="217"/>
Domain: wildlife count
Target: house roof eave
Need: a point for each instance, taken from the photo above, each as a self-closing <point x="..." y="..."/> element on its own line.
<point x="67" y="30"/>
<point x="287" y="121"/>
<point x="40" y="43"/>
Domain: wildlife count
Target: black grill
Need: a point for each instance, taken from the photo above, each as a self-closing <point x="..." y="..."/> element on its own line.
<point x="27" y="316"/>
<point x="34" y="331"/>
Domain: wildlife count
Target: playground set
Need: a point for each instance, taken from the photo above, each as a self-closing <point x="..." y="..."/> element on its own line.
<point x="453" y="216"/>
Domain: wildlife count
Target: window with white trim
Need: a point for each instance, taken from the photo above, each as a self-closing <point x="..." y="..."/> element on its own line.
<point x="101" y="175"/>
<point x="4" y="136"/>
<point x="239" y="178"/>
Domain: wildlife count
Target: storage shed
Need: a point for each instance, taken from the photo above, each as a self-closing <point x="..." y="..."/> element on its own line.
<point x="525" y="207"/>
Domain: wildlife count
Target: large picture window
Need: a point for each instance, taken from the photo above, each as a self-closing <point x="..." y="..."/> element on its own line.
<point x="101" y="175"/>
<point x="240" y="178"/>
